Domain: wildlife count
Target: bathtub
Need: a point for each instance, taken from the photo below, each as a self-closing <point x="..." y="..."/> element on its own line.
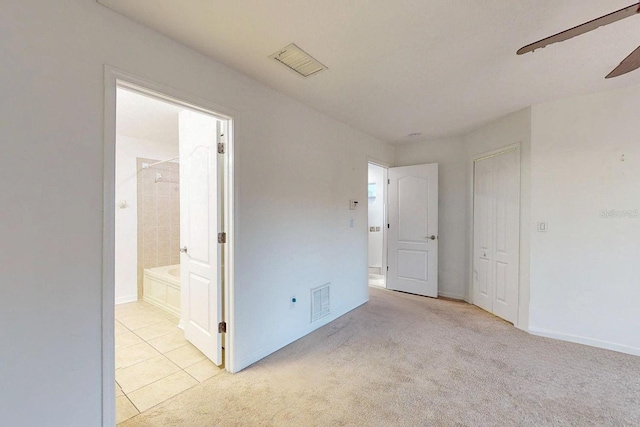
<point x="161" y="287"/>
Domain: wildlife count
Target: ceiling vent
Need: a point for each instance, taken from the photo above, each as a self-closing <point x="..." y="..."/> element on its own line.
<point x="298" y="60"/>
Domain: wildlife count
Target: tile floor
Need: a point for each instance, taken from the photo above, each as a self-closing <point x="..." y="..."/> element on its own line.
<point x="153" y="360"/>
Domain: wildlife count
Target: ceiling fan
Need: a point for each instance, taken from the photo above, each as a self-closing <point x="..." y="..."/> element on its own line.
<point x="629" y="64"/>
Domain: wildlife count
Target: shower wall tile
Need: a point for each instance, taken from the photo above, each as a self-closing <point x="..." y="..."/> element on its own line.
<point x="149" y="230"/>
<point x="164" y="217"/>
<point x="148" y="217"/>
<point x="158" y="216"/>
<point x="149" y="203"/>
<point x="164" y="190"/>
<point x="175" y="232"/>
<point x="164" y="204"/>
<point x="164" y="232"/>
<point x="148" y="187"/>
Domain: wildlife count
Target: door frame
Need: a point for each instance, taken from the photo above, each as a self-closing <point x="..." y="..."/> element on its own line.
<point x="507" y="148"/>
<point x="385" y="219"/>
<point x="114" y="78"/>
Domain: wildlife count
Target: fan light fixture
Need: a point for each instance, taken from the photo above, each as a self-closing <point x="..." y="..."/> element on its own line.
<point x="630" y="63"/>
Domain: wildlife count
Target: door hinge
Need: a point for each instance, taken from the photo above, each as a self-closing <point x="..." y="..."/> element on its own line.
<point x="222" y="237"/>
<point x="387" y="268"/>
<point x="388" y="226"/>
<point x="221" y="148"/>
<point x="388" y="181"/>
<point x="222" y="327"/>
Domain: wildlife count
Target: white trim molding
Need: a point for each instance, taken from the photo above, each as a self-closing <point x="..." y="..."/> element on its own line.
<point x="125" y="299"/>
<point x="584" y="340"/>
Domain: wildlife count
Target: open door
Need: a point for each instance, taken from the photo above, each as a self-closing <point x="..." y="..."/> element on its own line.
<point x="200" y="260"/>
<point x="413" y="229"/>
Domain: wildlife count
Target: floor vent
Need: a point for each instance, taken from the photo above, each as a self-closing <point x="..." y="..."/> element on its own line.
<point x="320" y="306"/>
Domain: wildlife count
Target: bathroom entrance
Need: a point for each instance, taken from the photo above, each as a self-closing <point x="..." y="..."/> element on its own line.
<point x="377" y="220"/>
<point x="171" y="217"/>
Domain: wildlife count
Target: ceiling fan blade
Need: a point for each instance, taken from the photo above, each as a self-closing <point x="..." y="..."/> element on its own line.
<point x="628" y="11"/>
<point x="630" y="63"/>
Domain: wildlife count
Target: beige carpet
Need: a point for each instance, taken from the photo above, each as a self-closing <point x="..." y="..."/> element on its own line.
<point x="411" y="361"/>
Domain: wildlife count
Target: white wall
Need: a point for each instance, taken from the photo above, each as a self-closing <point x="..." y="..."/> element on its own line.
<point x="579" y="280"/>
<point x="511" y="129"/>
<point x="585" y="272"/>
<point x="126" y="244"/>
<point x="376" y="215"/>
<point x="452" y="209"/>
<point x="455" y="157"/>
<point x="296" y="170"/>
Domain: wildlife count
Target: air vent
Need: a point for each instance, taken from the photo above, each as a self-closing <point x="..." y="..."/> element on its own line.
<point x="320" y="306"/>
<point x="298" y="60"/>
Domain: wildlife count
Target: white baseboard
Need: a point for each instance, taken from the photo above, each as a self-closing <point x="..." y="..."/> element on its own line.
<point x="450" y="295"/>
<point x="266" y="351"/>
<point x="126" y="299"/>
<point x="584" y="340"/>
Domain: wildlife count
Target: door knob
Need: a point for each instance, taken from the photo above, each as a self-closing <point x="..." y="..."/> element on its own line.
<point x="183" y="249"/>
<point x="432" y="237"/>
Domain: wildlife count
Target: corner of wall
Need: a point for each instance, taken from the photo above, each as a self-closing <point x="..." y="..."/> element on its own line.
<point x="584" y="158"/>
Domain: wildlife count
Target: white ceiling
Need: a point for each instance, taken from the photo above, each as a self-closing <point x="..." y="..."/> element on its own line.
<point x="139" y="116"/>
<point x="438" y="67"/>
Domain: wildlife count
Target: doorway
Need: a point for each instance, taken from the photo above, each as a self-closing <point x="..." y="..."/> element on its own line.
<point x="403" y="228"/>
<point x="496" y="232"/>
<point x="377" y="230"/>
<point x="167" y="291"/>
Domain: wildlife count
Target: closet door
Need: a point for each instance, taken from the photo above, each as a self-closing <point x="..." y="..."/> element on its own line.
<point x="496" y="233"/>
<point x="483" y="214"/>
<point x="506" y="254"/>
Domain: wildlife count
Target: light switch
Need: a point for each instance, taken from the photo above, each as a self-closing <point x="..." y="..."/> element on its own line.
<point x="542" y="226"/>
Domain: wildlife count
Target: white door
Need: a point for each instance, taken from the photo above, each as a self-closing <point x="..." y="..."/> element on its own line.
<point x="413" y="229"/>
<point x="201" y="287"/>
<point x="483" y="234"/>
<point x="496" y="225"/>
